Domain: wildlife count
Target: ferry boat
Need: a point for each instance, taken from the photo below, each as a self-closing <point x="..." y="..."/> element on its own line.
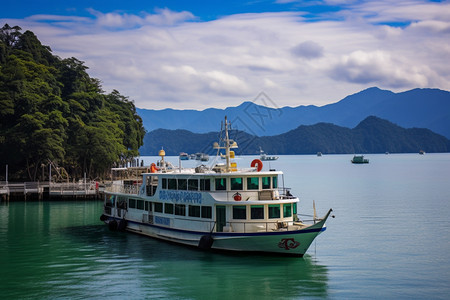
<point x="221" y="207"/>
<point x="359" y="159"/>
<point x="184" y="156"/>
<point x="264" y="156"/>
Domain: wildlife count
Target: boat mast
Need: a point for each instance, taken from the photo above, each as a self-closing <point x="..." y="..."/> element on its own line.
<point x="227" y="146"/>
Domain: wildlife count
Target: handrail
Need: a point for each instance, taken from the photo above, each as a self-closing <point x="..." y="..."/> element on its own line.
<point x="122" y="188"/>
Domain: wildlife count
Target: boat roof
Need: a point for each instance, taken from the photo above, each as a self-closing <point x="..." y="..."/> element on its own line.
<point x="191" y="172"/>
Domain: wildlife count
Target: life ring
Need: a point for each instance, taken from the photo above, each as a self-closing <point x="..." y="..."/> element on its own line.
<point x="237" y="197"/>
<point x="153" y="168"/>
<point x="257" y="163"/>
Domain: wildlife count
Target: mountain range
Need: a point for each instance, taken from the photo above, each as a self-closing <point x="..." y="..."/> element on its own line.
<point x="372" y="135"/>
<point x="421" y="108"/>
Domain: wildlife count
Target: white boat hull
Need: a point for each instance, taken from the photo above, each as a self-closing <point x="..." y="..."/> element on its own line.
<point x="292" y="242"/>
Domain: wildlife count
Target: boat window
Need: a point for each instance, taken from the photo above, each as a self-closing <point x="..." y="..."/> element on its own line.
<point x="180" y="209"/>
<point x="275" y="182"/>
<point x="140" y="204"/>
<point x="274" y="211"/>
<point x="164" y="183"/>
<point x="287" y="210"/>
<point x="239" y="212"/>
<point x="148" y="206"/>
<point x="158" y="207"/>
<point x="236" y="183"/>
<point x="257" y="212"/>
<point x="205" y="184"/>
<point x="221" y="184"/>
<point x="132" y="203"/>
<point x="168" y="208"/>
<point x="193" y="184"/>
<point x="194" y="211"/>
<point x="265" y="182"/>
<point x="206" y="212"/>
<point x="252" y="183"/>
<point x="182" y="184"/>
<point x="172" y="184"/>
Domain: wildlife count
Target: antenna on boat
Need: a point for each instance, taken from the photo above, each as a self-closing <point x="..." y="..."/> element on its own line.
<point x="314" y="209"/>
<point x="228" y="145"/>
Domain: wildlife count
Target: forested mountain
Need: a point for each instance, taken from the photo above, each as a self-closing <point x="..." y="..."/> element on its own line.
<point x="372" y="135"/>
<point x="424" y="108"/>
<point x="52" y="111"/>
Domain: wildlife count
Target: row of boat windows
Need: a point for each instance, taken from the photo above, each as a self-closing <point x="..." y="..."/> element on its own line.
<point x="220" y="184"/>
<point x="169" y="208"/>
<point x="257" y="212"/>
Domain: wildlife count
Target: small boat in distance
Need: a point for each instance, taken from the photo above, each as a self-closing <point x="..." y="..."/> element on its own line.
<point x="184" y="156"/>
<point x="264" y="156"/>
<point x="220" y="207"/>
<point x="319" y="154"/>
<point x="359" y="159"/>
<point x="421" y="152"/>
<point x="201" y="156"/>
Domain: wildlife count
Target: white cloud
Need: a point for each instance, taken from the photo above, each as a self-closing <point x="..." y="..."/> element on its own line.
<point x="170" y="59"/>
<point x="379" y="67"/>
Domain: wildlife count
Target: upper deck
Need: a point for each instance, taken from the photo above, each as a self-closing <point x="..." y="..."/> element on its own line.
<point x="241" y="185"/>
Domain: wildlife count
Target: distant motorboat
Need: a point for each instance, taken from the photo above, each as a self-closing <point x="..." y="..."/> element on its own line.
<point x="359" y="159"/>
<point x="201" y="156"/>
<point x="184" y="156"/>
<point x="264" y="156"/>
<point x="421" y="152"/>
<point x="319" y="153"/>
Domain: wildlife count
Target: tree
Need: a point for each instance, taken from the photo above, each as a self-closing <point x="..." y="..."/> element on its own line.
<point x="52" y="110"/>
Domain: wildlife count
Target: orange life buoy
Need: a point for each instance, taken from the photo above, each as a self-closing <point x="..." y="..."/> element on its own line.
<point x="257" y="163"/>
<point x="237" y="197"/>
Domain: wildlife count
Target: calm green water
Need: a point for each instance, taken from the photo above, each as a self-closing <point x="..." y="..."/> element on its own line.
<point x="390" y="239"/>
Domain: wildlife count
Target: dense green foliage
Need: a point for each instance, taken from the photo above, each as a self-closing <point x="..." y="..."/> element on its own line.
<point x="372" y="135"/>
<point x="51" y="110"/>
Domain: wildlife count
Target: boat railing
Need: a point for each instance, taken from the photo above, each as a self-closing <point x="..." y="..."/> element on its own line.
<point x="285" y="193"/>
<point x="112" y="187"/>
<point x="248" y="227"/>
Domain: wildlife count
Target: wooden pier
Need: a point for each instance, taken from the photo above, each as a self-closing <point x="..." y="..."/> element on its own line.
<point x="49" y="191"/>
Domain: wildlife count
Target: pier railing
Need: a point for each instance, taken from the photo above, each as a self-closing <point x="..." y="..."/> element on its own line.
<point x="38" y="190"/>
<point x="73" y="189"/>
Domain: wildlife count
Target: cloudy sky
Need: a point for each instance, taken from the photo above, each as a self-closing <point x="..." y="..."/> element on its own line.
<point x="198" y="54"/>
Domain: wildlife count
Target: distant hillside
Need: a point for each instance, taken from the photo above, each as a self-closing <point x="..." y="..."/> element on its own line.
<point x="424" y="108"/>
<point x="372" y="135"/>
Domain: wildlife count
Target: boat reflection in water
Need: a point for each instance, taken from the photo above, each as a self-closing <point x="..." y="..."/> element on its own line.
<point x="152" y="268"/>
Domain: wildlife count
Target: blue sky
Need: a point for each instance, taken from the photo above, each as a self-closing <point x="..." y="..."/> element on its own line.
<point x="199" y="54"/>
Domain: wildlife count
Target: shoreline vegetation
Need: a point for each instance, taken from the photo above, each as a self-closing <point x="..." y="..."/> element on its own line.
<point x="52" y="113"/>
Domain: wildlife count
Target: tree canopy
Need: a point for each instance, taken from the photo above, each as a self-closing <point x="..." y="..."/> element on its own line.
<point x="51" y="110"/>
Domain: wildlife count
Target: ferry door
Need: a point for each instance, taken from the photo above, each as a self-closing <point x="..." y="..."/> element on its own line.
<point x="221" y="218"/>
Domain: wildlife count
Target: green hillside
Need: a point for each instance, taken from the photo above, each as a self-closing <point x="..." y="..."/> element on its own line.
<point x="51" y="110"/>
<point x="372" y="135"/>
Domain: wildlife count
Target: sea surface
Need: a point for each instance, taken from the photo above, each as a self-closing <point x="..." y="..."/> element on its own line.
<point x="390" y="239"/>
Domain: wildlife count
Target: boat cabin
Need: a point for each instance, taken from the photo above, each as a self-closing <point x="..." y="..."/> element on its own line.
<point x="242" y="202"/>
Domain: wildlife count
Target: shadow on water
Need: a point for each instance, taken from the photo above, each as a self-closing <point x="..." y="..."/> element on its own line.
<point x="138" y="267"/>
